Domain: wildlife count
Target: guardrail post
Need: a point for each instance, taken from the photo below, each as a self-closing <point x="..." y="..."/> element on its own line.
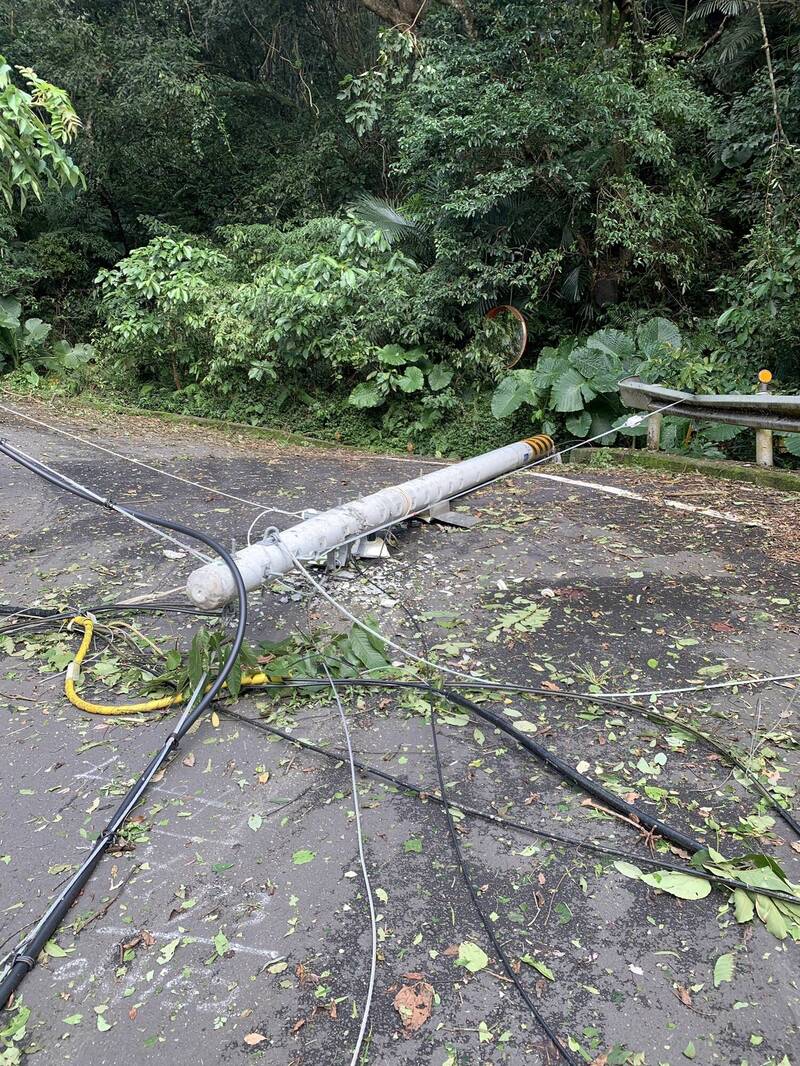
<point x="764" y="447"/>
<point x="764" y="436"/>
<point x="654" y="432"/>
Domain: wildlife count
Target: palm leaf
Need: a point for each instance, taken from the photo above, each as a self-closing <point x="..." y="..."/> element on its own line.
<point x="667" y="16"/>
<point x="740" y="43"/>
<point x="729" y="8"/>
<point x="575" y="284"/>
<point x="384" y="216"/>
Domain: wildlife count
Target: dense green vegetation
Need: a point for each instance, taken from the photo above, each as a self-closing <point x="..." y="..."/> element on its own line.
<point x="299" y="212"/>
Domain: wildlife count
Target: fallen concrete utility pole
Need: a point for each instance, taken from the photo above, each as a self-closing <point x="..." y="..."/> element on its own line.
<point x="323" y="534"/>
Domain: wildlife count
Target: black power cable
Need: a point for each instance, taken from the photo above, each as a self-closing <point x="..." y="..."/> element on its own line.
<point x="784" y="813"/>
<point x="552" y="1036"/>
<point x="33" y="612"/>
<point x="539" y="1018"/>
<point x="565" y="771"/>
<point x="633" y="709"/>
<point x="496" y="819"/>
<point x="547" y="757"/>
<point x="23" y="959"/>
<point x="563" y="768"/>
<point x="599" y="700"/>
<point x="569" y="773"/>
<point x="42" y="618"/>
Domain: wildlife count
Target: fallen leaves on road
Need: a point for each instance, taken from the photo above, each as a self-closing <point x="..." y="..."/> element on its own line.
<point x="683" y="995"/>
<point x="414" y="1003"/>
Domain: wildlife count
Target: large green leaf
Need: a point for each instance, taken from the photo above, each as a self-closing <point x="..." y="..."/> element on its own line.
<point x="771" y="917"/>
<point x="511" y="393"/>
<point x="366" y="394"/>
<point x="393" y="355"/>
<point x="35" y="331"/>
<point x="684" y="886"/>
<point x="792" y="442"/>
<point x="613" y="342"/>
<point x="360" y="645"/>
<point x="549" y="368"/>
<point x="628" y="869"/>
<point x="571" y="392"/>
<point x="744" y="907"/>
<point x="723" y="969"/>
<point x="600" y="368"/>
<point x="602" y="422"/>
<point x="10" y="310"/>
<point x="412" y="380"/>
<point x="439" y="377"/>
<point x="721" y="432"/>
<point x="673" y="433"/>
<point x="578" y="425"/>
<point x="657" y="334"/>
<point x="472" y="957"/>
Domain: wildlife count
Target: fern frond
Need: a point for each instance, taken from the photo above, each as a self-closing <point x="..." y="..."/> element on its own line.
<point x="575" y="284"/>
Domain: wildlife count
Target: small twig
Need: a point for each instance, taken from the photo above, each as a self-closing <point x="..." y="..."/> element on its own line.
<point x="102" y="911"/>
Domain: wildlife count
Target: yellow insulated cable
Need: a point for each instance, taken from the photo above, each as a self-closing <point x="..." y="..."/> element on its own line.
<point x="161" y="704"/>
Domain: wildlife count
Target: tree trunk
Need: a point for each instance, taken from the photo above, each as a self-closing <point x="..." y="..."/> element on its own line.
<point x="405" y="14"/>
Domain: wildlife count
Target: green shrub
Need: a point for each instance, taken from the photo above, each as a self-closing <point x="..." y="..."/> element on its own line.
<point x="25" y="347"/>
<point x="577" y="385"/>
<point x="265" y="316"/>
<point x="577" y="382"/>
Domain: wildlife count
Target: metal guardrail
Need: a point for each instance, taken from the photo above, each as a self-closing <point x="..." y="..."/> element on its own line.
<point x="762" y="411"/>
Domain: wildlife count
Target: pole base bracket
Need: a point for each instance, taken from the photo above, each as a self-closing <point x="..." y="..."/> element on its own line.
<point x="443" y="512"/>
<point x="365" y="548"/>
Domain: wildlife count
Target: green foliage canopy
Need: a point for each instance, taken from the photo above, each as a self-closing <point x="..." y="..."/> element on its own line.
<point x="281" y="201"/>
<point x="34" y="127"/>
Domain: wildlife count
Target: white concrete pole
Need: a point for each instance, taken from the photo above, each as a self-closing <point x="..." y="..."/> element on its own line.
<point x="211" y="586"/>
<point x="764" y="447"/>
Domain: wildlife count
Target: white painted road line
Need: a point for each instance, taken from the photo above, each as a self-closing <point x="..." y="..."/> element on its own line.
<point x="628" y="494"/>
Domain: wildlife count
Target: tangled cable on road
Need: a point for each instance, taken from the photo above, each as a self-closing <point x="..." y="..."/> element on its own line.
<point x="263" y="682"/>
<point x="46" y="619"/>
<point x="23" y="958"/>
<point x="195" y="708"/>
<point x="426" y="794"/>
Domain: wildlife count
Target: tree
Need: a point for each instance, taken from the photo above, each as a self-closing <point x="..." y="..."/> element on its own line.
<point x="405" y="14"/>
<point x="34" y="127"/>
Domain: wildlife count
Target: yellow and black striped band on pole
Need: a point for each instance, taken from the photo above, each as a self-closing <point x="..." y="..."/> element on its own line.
<point x="542" y="445"/>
